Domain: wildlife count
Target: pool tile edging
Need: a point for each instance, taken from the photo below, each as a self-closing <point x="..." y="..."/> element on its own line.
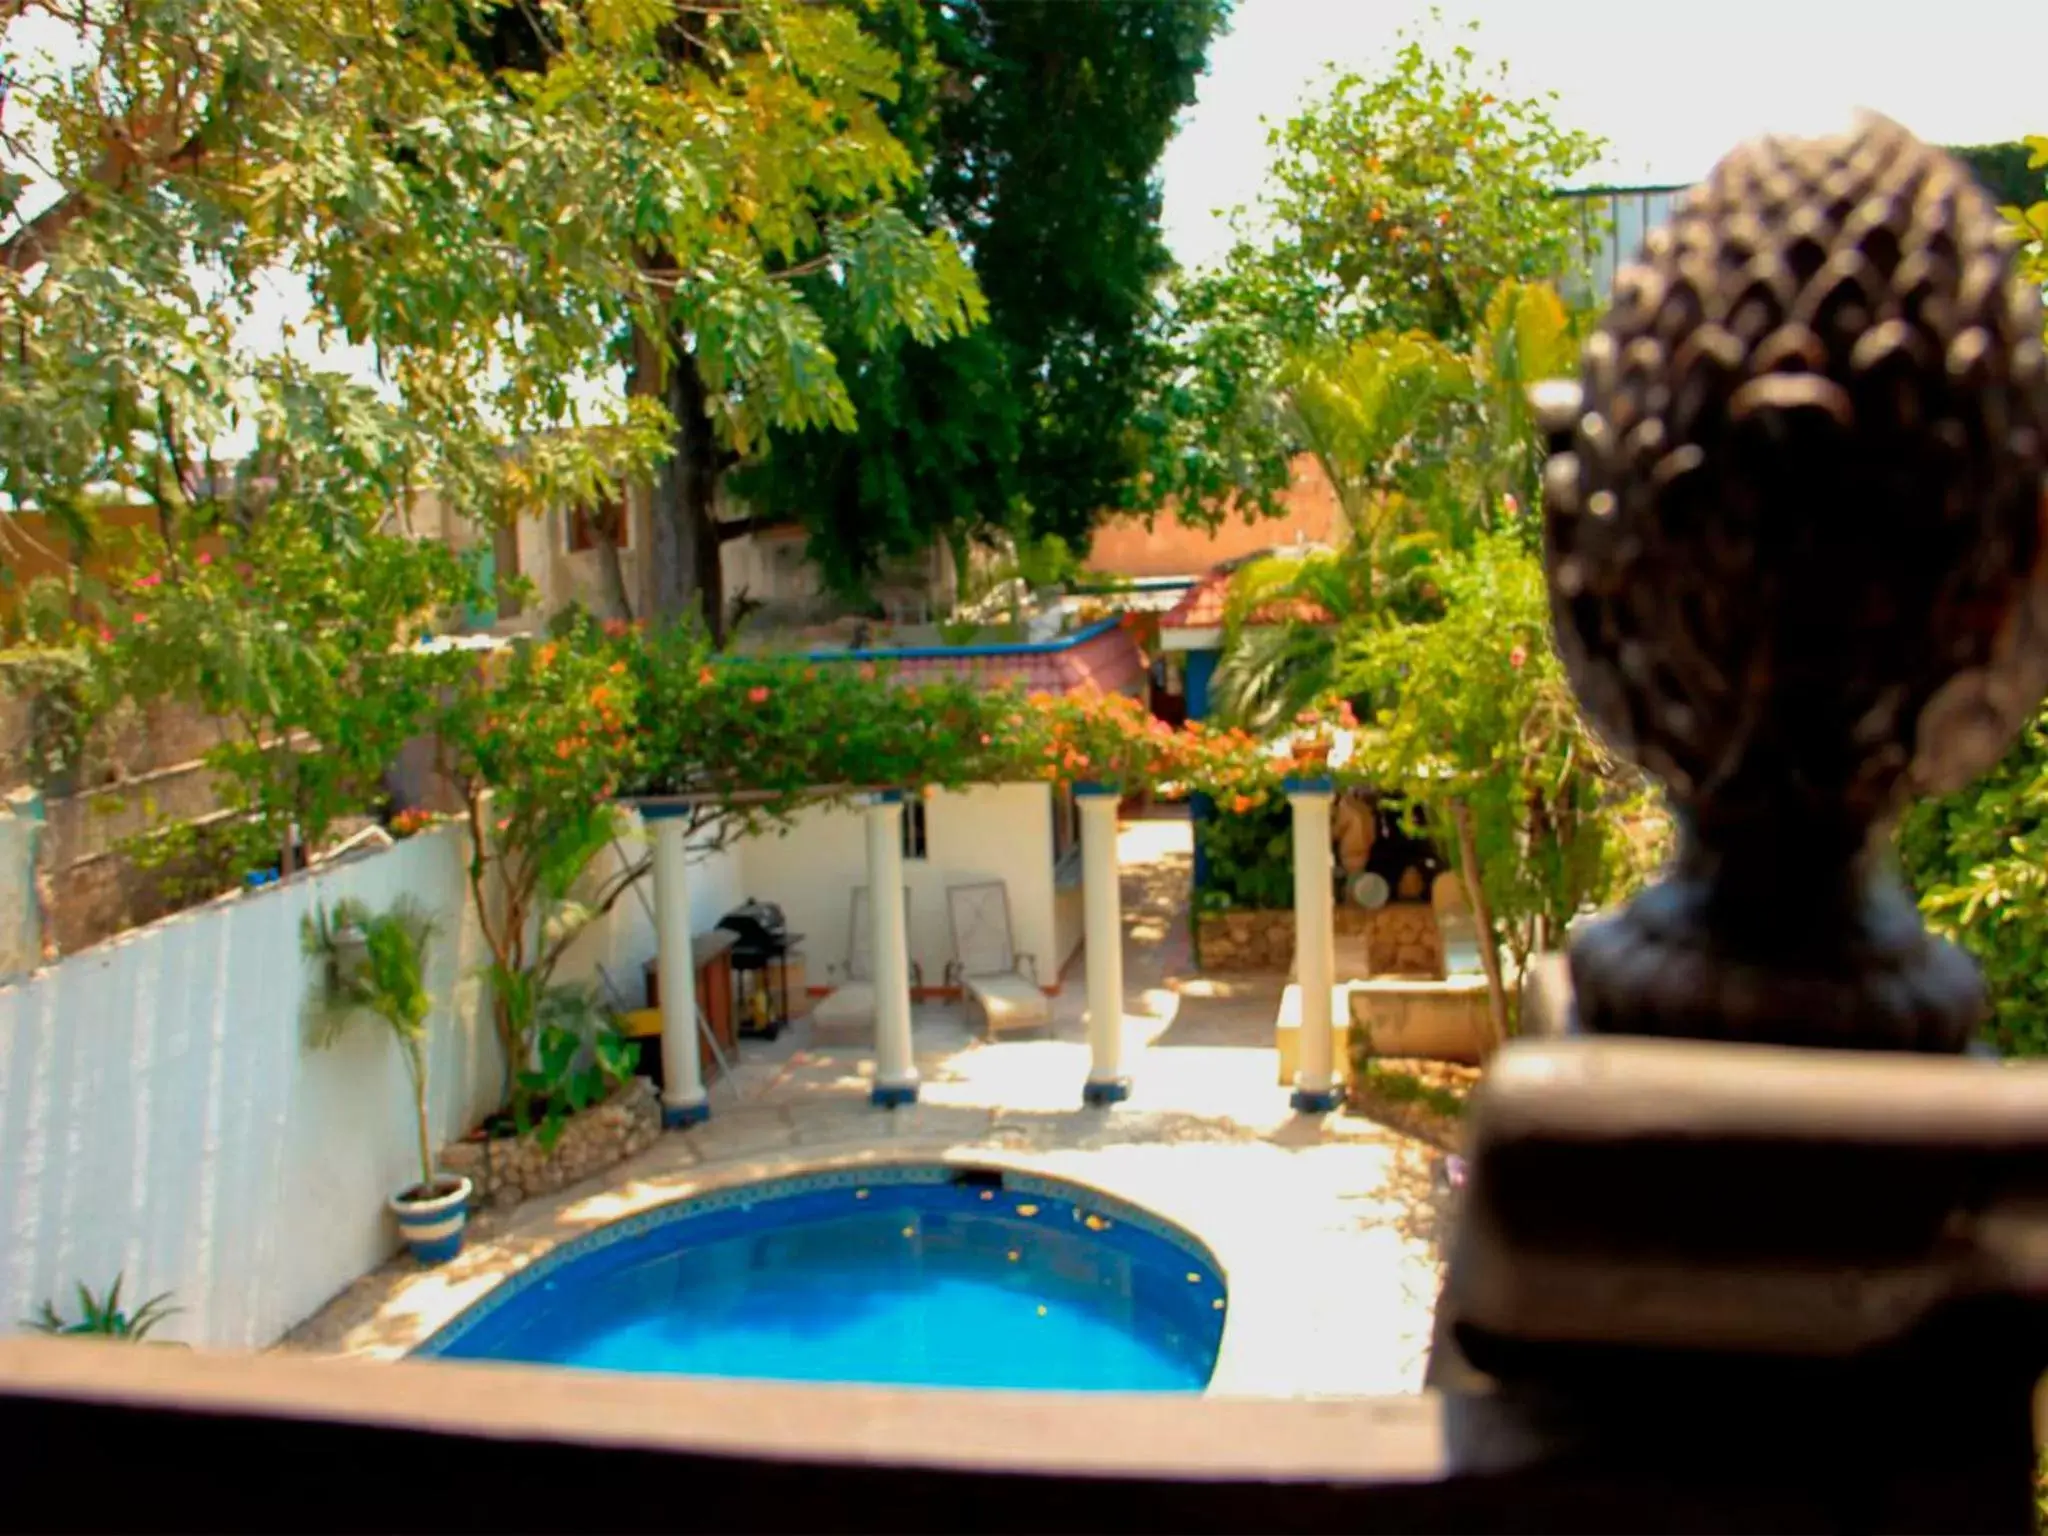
<point x="428" y="1305"/>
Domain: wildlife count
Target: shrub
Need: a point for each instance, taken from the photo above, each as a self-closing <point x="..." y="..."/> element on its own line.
<point x="1978" y="860"/>
<point x="102" y="1316"/>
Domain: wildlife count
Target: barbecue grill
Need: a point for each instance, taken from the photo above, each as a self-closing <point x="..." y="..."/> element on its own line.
<point x="762" y="945"/>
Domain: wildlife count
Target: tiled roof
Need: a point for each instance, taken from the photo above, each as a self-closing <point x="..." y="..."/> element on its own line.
<point x="1108" y="660"/>
<point x="1202" y="607"/>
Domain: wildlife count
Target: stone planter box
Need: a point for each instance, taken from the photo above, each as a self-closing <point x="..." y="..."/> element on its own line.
<point x="508" y="1169"/>
<point x="1433" y="1020"/>
<point x="1401" y="939"/>
<point x="1398" y="1016"/>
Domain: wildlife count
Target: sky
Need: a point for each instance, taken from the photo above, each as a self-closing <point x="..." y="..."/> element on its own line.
<point x="1671" y="86"/>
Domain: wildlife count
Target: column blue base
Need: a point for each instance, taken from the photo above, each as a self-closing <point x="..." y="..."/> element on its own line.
<point x="1114" y="1091"/>
<point x="892" y="1095"/>
<point x="1316" y="1101"/>
<point x="676" y="1117"/>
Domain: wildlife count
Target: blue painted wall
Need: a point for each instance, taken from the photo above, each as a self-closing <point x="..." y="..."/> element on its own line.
<point x="1201" y="670"/>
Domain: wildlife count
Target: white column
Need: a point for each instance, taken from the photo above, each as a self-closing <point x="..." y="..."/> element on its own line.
<point x="895" y="1060"/>
<point x="1315" y="957"/>
<point x="683" y="1101"/>
<point x="1103" y="906"/>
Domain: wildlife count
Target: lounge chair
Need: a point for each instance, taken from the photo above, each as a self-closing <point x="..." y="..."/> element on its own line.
<point x="849" y="1008"/>
<point x="999" y="983"/>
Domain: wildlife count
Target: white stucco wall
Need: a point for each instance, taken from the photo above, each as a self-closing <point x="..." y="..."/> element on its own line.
<point x="162" y="1118"/>
<point x="1069" y="921"/>
<point x="561" y="577"/>
<point x="623" y="945"/>
<point x="989" y="832"/>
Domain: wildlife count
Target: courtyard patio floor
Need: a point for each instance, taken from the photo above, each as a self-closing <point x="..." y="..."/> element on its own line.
<point x="1325" y="1226"/>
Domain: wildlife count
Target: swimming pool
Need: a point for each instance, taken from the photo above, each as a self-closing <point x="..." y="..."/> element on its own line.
<point x="920" y="1274"/>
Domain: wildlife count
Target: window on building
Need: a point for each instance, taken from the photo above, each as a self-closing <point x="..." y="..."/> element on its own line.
<point x="609" y="515"/>
<point x="914" y="836"/>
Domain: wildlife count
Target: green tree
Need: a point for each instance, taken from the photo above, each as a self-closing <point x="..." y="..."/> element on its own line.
<point x="1397" y="203"/>
<point x="1040" y="125"/>
<point x="1401" y="202"/>
<point x="1473" y="721"/>
<point x="2008" y="173"/>
<point x="1427" y="448"/>
<point x="307" y="649"/>
<point x="490" y="200"/>
<point x="1978" y="860"/>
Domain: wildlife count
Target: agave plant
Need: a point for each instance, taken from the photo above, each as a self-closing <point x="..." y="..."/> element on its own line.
<point x="103" y="1317"/>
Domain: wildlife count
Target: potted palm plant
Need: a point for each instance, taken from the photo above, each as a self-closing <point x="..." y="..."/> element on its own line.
<point x="376" y="963"/>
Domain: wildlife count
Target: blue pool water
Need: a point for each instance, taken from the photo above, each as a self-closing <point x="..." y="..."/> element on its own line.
<point x="908" y="1276"/>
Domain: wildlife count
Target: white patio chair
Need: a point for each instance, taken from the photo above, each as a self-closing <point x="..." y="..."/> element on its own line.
<point x="849" y="1008"/>
<point x="1000" y="984"/>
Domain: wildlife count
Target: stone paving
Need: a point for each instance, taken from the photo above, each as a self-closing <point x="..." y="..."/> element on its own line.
<point x="1324" y="1226"/>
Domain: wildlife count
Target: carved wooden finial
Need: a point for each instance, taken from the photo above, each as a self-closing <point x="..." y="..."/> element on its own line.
<point x="1794" y="530"/>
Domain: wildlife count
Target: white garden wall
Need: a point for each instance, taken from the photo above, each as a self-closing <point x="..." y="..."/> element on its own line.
<point x="162" y="1118"/>
<point x="623" y="945"/>
<point x="988" y="832"/>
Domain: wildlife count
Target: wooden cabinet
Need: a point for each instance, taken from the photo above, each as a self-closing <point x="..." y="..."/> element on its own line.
<point x="711" y="953"/>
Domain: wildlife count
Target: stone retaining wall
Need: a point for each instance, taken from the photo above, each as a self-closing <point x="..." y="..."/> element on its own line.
<point x="1401" y="939"/>
<point x="1246" y="941"/>
<point x="506" y="1170"/>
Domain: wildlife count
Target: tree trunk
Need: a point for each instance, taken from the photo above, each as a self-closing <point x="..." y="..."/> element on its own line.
<point x="1482" y="916"/>
<point x="418" y="1052"/>
<point x="610" y="569"/>
<point x="683" y="554"/>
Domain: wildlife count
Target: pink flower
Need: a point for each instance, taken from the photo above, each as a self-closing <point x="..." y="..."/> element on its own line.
<point x="142" y="618"/>
<point x="205" y="559"/>
<point x="106" y="635"/>
<point x="757" y="695"/>
<point x="1510" y="505"/>
<point x="154" y="578"/>
<point x="1516" y="657"/>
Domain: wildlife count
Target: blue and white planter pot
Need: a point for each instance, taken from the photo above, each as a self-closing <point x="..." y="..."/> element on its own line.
<point x="433" y="1228"/>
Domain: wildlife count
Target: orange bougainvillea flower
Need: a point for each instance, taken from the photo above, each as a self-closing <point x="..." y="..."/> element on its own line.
<point x="704" y="677"/>
<point x="1377" y="214"/>
<point x="1241" y="804"/>
<point x="617" y="669"/>
<point x="547" y="654"/>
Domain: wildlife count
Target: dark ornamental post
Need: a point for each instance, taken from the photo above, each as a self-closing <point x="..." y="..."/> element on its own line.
<point x="1792" y="1255"/>
<point x="1793" y="529"/>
